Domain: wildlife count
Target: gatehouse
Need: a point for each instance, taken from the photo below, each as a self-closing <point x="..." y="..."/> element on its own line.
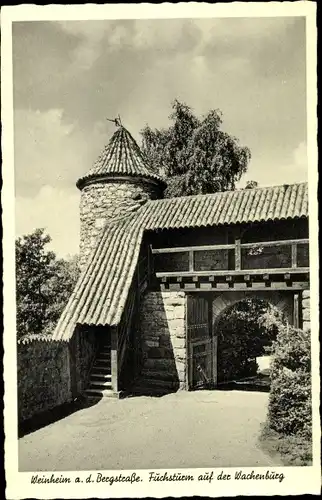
<point x="157" y="274"/>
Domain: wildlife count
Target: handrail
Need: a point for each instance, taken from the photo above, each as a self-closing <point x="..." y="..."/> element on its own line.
<point x="230" y="246"/>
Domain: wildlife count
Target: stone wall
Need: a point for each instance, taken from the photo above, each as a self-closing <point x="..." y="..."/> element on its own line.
<point x="282" y="300"/>
<point x="162" y="328"/>
<point x="103" y="201"/>
<point x="306" y="310"/>
<point x="44" y="379"/>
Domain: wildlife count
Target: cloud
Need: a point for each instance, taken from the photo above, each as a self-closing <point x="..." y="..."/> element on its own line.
<point x="56" y="210"/>
<point x="300" y="156"/>
<point x="95" y="38"/>
<point x="296" y="170"/>
<point x="52" y="151"/>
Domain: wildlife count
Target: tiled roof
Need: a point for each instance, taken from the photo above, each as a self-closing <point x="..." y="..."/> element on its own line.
<point x="121" y="156"/>
<point x="100" y="294"/>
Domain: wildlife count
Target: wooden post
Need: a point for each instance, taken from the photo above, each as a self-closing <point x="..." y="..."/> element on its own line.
<point x="294" y="255"/>
<point x="148" y="264"/>
<point x="237" y="255"/>
<point x="114" y="367"/>
<point x="214" y="359"/>
<point x="191" y="266"/>
<point x="296" y="311"/>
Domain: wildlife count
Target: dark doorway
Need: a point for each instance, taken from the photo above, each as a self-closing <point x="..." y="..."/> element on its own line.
<point x="243" y="342"/>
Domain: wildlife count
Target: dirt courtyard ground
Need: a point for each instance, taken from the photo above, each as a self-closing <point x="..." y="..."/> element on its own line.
<point x="187" y="429"/>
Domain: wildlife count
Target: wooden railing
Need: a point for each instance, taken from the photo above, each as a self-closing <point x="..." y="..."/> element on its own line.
<point x="272" y="256"/>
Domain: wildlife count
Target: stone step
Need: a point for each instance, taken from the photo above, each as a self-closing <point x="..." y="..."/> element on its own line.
<point x="100" y="383"/>
<point x="105" y="393"/>
<point x="106" y="376"/>
<point x="104" y="354"/>
<point x="102" y="367"/>
<point x="103" y="360"/>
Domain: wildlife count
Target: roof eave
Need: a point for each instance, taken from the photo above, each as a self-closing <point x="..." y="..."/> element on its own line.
<point x="93" y="179"/>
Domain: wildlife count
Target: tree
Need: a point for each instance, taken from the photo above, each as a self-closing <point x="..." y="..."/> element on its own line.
<point x="245" y="334"/>
<point x="195" y="155"/>
<point x="43" y="283"/>
<point x="251" y="184"/>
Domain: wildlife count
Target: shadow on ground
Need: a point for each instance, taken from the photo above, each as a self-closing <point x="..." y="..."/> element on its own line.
<point x="50" y="416"/>
<point x="258" y="383"/>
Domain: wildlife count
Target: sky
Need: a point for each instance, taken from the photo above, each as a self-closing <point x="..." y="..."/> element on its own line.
<point x="68" y="77"/>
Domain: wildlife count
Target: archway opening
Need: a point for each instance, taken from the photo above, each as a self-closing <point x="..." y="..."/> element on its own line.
<point x="244" y="341"/>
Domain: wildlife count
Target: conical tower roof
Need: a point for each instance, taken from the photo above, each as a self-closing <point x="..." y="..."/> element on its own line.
<point x="120" y="157"/>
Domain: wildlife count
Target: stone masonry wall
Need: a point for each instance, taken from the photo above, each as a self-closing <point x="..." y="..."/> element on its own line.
<point x="106" y="200"/>
<point x="306" y="309"/>
<point x="44" y="379"/>
<point x="162" y="328"/>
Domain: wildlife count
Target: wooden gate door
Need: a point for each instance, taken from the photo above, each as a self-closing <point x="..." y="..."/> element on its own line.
<point x="200" y="349"/>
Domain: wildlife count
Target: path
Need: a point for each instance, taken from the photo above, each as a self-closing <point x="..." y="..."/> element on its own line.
<point x="200" y="429"/>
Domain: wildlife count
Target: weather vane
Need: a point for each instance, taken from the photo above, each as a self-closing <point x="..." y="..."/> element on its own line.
<point x="117" y="121"/>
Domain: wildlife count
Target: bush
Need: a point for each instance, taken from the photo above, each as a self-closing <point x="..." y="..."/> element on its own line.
<point x="244" y="335"/>
<point x="289" y="408"/>
<point x="293" y="450"/>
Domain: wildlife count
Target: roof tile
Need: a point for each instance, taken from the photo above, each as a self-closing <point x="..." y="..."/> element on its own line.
<point x="121" y="156"/>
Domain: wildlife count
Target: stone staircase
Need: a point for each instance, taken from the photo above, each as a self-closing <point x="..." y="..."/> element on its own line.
<point x="100" y="383"/>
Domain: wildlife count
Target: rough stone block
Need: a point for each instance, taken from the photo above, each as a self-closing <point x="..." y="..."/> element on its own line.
<point x="306" y="303"/>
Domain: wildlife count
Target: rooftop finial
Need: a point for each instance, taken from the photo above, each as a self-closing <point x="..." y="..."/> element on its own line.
<point x="116" y="121"/>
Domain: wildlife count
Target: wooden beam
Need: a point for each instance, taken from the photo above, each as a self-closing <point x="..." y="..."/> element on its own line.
<point x="191" y="266"/>
<point x="194" y="248"/>
<point x="294" y="255"/>
<point x="281" y="285"/>
<point x="259" y="287"/>
<point x="240" y="286"/>
<point x="222" y="286"/>
<point x="114" y="356"/>
<point x="189" y="286"/>
<point x="296" y="311"/>
<point x="229" y="246"/>
<point x="237" y="255"/>
<point x="205" y="286"/>
<point x="251" y="272"/>
<point x="273" y="243"/>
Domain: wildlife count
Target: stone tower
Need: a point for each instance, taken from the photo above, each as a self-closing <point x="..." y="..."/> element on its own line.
<point x="119" y="182"/>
